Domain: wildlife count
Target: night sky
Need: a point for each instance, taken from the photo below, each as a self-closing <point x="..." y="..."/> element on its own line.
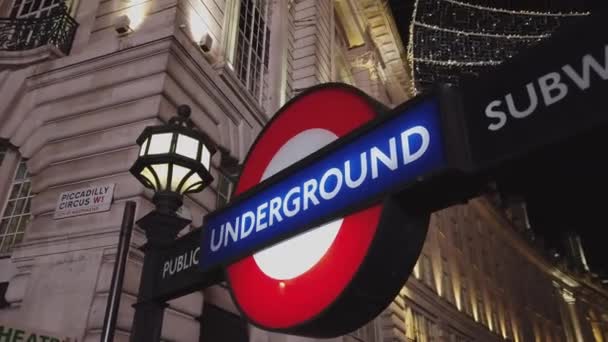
<point x="571" y="195"/>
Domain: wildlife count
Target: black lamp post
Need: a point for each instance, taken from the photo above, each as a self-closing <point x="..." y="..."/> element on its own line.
<point x="174" y="160"/>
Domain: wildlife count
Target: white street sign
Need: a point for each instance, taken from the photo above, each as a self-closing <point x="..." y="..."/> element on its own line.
<point x="84" y="201"/>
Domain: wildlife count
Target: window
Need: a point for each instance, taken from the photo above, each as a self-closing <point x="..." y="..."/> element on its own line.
<point x="30" y="9"/>
<point x="456" y="226"/>
<point x="494" y="314"/>
<point x="465" y="300"/>
<point x="251" y="55"/>
<point x="431" y="329"/>
<point x="368" y="333"/>
<point x="426" y="329"/>
<point x="420" y="327"/>
<point x="446" y="281"/>
<point x="343" y="68"/>
<point x="479" y="227"/>
<point x="481" y="309"/>
<point x="35" y="8"/>
<point x="224" y="190"/>
<point x="498" y="273"/>
<point x="427" y="271"/>
<point x="485" y="259"/>
<point x="457" y="237"/>
<point x="447" y="288"/>
<point x="410" y="323"/>
<point x="507" y="324"/>
<point x="344" y="73"/>
<point x="3" y="149"/>
<point x="472" y="252"/>
<point x="454" y="336"/>
<point x="437" y="219"/>
<point x="3" y="289"/>
<point x="16" y="214"/>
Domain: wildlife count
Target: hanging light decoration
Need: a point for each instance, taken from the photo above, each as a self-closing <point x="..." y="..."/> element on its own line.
<point x="450" y="39"/>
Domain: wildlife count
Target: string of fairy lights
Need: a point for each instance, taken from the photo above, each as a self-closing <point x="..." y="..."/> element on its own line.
<point x="451" y="39"/>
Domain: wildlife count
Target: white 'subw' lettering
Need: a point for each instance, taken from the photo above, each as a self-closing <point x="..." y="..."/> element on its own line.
<point x="552" y="88"/>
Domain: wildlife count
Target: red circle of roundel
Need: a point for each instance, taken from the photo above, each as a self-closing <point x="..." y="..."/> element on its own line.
<point x="371" y="256"/>
<point x="279" y="304"/>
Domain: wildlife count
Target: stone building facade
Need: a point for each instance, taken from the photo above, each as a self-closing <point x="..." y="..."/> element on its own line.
<point x="69" y="118"/>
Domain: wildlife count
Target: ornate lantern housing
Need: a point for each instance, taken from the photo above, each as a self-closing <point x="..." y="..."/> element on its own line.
<point x="174" y="159"/>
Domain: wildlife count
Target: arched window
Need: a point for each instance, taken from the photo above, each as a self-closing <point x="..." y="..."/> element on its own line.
<point x="16" y="213"/>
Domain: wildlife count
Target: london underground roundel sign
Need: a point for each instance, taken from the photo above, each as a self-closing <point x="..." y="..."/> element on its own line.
<point x="332" y="279"/>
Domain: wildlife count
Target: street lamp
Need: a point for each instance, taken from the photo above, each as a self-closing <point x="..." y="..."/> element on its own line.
<point x="174" y="159"/>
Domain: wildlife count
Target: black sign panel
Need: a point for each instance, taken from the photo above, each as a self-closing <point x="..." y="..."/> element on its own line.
<point x="550" y="92"/>
<point x="179" y="273"/>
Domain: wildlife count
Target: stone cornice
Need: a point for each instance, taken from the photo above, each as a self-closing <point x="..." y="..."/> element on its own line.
<point x="420" y="297"/>
<point x="20" y="59"/>
<point x="383" y="31"/>
<point x="224" y="86"/>
<point x="508" y="233"/>
<point x="218" y="81"/>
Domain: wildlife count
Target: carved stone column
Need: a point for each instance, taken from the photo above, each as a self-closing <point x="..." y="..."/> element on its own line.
<point x="570" y="300"/>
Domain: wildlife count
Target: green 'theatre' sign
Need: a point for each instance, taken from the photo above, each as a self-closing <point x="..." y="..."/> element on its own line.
<point x="20" y="334"/>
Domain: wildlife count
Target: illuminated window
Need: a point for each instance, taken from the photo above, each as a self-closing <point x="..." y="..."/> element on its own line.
<point x="16" y="214"/>
<point x="251" y="59"/>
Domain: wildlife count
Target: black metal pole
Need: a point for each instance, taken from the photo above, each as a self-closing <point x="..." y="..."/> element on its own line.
<point x="148" y="319"/>
<point x="161" y="227"/>
<point x="118" y="274"/>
